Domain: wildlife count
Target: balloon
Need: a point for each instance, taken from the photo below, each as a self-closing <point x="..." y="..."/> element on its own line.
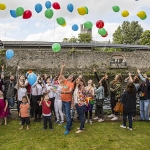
<point x="64" y="24"/>
<point x="32" y="78"/>
<point x="106" y="34"/>
<point x="9" y="54"/>
<point x="143" y="18"/>
<point x="48" y="4"/>
<point x="87" y="10"/>
<point x="38" y="8"/>
<point x="75" y="27"/>
<point x="27" y="74"/>
<point x="49" y="13"/>
<point x="125" y="13"/>
<point x="27" y="14"/>
<point x="116" y="8"/>
<point x="19" y="11"/>
<point x="60" y="21"/>
<point x="82" y="11"/>
<point x="70" y="7"/>
<point x="141" y="14"/>
<point x="102" y="32"/>
<point x="88" y="25"/>
<point x="13" y="13"/>
<point x="99" y="24"/>
<point x="56" y="47"/>
<point x="2" y="6"/>
<point x="56" y="5"/>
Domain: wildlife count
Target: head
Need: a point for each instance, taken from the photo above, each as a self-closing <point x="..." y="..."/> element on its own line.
<point x="90" y="82"/>
<point x="130" y="88"/>
<point x="1" y="93"/>
<point x="45" y="76"/>
<point x="45" y="96"/>
<point x="81" y="83"/>
<point x="22" y="78"/>
<point x="39" y="80"/>
<point x="106" y="76"/>
<point x="136" y="79"/>
<point x="71" y="78"/>
<point x="48" y="80"/>
<point x="12" y="78"/>
<point x="24" y="99"/>
<point x="118" y="78"/>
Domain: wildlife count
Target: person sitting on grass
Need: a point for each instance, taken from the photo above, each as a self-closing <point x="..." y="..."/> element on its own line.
<point x="24" y="112"/>
<point x="46" y="111"/>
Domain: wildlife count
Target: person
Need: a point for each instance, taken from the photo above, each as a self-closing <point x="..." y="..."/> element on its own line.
<point x="129" y="103"/>
<point x="99" y="99"/>
<point x="115" y="94"/>
<point x="46" y="111"/>
<point x="3" y="108"/>
<point x="66" y="97"/>
<point x="24" y="112"/>
<point x="89" y="97"/>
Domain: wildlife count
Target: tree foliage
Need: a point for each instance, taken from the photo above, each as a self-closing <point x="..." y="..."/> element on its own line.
<point x="128" y="33"/>
<point x="145" y="38"/>
<point x="84" y="38"/>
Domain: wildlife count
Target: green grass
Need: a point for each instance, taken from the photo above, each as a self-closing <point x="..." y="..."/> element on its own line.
<point x="98" y="136"/>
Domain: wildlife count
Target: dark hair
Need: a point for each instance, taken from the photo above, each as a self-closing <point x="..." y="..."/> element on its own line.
<point x="130" y="88"/>
<point x="25" y="97"/>
<point x="119" y="78"/>
<point x="47" y="78"/>
<point x="82" y="82"/>
<point x="44" y="94"/>
<point x="136" y="80"/>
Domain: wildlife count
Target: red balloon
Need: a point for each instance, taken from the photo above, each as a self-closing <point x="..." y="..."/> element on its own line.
<point x="56" y="5"/>
<point x="27" y="14"/>
<point x="105" y="35"/>
<point x="99" y="24"/>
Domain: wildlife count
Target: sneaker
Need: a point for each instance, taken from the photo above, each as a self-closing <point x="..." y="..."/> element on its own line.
<point x="65" y="127"/>
<point x="79" y="131"/>
<point x="51" y="129"/>
<point x="44" y="128"/>
<point x="79" y="128"/>
<point x="61" y="122"/>
<point x="115" y="118"/>
<point x="86" y="121"/>
<point x="96" y="118"/>
<point x="91" y="121"/>
<point x="111" y="116"/>
<point x="122" y="126"/>
<point x="101" y="120"/>
<point x="66" y="132"/>
<point x="129" y="128"/>
<point x="56" y="122"/>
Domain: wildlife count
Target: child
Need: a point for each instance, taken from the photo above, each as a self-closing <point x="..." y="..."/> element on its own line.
<point x="46" y="111"/>
<point x="3" y="108"/>
<point x="24" y="111"/>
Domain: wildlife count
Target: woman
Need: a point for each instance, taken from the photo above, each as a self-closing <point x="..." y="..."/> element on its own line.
<point x="89" y="101"/>
<point x="129" y="104"/>
<point x="115" y="94"/>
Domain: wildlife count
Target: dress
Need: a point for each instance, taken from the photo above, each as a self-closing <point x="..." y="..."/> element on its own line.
<point x="2" y="106"/>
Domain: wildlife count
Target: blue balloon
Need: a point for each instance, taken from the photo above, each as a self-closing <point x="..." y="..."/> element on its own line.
<point x="75" y="27"/>
<point x="9" y="54"/>
<point x="38" y="8"/>
<point x="13" y="13"/>
<point x="32" y="78"/>
<point x="70" y="7"/>
<point x="48" y="4"/>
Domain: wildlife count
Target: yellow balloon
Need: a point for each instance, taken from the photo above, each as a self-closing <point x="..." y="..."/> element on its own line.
<point x="2" y="6"/>
<point x="82" y="11"/>
<point x="64" y="25"/>
<point x="141" y="14"/>
<point x="125" y="13"/>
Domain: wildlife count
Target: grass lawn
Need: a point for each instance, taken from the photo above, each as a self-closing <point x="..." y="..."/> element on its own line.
<point x="98" y="136"/>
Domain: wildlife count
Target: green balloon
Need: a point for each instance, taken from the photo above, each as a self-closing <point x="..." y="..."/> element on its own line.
<point x="19" y="11"/>
<point x="143" y="18"/>
<point x="102" y="31"/>
<point x="56" y="47"/>
<point x="49" y="13"/>
<point x="61" y="21"/>
<point x="116" y="8"/>
<point x="88" y="25"/>
<point x="87" y="10"/>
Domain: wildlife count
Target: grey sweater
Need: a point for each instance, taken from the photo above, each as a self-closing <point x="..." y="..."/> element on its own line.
<point x="99" y="92"/>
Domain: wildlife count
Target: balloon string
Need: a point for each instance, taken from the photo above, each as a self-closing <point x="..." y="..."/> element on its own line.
<point x="54" y="30"/>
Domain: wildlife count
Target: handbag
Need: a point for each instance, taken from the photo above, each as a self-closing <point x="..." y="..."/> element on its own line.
<point x="99" y="103"/>
<point x="119" y="107"/>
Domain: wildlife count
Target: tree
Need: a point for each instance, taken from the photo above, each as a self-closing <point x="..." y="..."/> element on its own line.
<point x="145" y="38"/>
<point x="128" y="33"/>
<point x="66" y="40"/>
<point x="73" y="40"/>
<point x="84" y="38"/>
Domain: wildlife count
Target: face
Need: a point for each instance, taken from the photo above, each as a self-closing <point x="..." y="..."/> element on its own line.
<point x="70" y="78"/>
<point x="12" y="78"/>
<point x="24" y="100"/>
<point x="46" y="97"/>
<point x="1" y="93"/>
<point x="48" y="80"/>
<point x="90" y="81"/>
<point x="22" y="77"/>
<point x="45" y="76"/>
<point x="77" y="80"/>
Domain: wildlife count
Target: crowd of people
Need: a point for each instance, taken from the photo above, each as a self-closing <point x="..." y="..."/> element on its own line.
<point x="51" y="97"/>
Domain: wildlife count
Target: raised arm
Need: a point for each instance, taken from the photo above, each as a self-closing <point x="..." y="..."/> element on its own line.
<point x="96" y="75"/>
<point x="141" y="77"/>
<point x="61" y="71"/>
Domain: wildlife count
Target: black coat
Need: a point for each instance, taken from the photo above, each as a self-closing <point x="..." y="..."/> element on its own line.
<point x="129" y="102"/>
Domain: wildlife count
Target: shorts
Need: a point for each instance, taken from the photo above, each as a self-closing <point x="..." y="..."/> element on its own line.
<point x="25" y="120"/>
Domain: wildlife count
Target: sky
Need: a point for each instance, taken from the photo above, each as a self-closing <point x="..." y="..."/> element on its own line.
<point x="39" y="28"/>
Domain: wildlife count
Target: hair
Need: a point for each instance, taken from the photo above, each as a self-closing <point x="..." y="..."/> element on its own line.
<point x="119" y="78"/>
<point x="82" y="82"/>
<point x="130" y="88"/>
<point x="136" y="80"/>
<point x="25" y="97"/>
<point x="47" y="78"/>
<point x="44" y="94"/>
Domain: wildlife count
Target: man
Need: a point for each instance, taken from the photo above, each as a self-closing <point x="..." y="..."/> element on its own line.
<point x="66" y="97"/>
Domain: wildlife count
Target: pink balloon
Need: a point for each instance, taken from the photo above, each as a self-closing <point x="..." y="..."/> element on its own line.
<point x="27" y="14"/>
<point x="56" y="5"/>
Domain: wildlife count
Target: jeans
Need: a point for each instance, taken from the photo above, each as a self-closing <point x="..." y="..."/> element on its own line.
<point x="81" y="110"/>
<point x="144" y="105"/>
<point x="10" y="101"/>
<point x="76" y="105"/>
<point x="129" y="118"/>
<point x="67" y="106"/>
<point x="47" y="119"/>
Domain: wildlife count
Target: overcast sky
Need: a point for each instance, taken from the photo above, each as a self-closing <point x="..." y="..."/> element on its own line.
<point x="39" y="28"/>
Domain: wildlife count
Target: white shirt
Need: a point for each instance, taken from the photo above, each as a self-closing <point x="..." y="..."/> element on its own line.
<point x="49" y="88"/>
<point x="58" y="91"/>
<point x="21" y="93"/>
<point x="75" y="95"/>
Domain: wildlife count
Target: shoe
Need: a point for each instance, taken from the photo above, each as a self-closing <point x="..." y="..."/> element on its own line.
<point x="61" y="122"/>
<point x="51" y="129"/>
<point x="96" y="118"/>
<point x="79" y="128"/>
<point x="115" y="118"/>
<point x="79" y="131"/>
<point x="122" y="126"/>
<point x="111" y="116"/>
<point x="56" y="122"/>
<point x="66" y="132"/>
<point x="91" y="121"/>
<point x="129" y="128"/>
<point x="65" y="127"/>
<point x="133" y="118"/>
<point x="86" y="121"/>
<point x="44" y="128"/>
<point x="101" y="120"/>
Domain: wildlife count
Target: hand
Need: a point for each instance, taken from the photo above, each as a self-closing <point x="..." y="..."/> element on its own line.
<point x="2" y="66"/>
<point x="18" y="67"/>
<point x="63" y="65"/>
<point x="2" y="76"/>
<point x="138" y="71"/>
<point x="94" y="69"/>
<point x="129" y="74"/>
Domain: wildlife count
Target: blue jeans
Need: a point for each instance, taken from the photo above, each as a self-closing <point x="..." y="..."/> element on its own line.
<point x="76" y="105"/>
<point x="81" y="110"/>
<point x="66" y="108"/>
<point x="144" y="105"/>
<point x="129" y="119"/>
<point x="10" y="102"/>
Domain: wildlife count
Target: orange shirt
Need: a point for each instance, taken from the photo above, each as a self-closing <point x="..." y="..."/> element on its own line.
<point x="65" y="88"/>
<point x="24" y="110"/>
